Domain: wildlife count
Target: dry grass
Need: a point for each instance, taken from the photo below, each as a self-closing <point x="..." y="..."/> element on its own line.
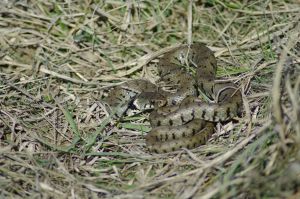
<point x="58" y="59"/>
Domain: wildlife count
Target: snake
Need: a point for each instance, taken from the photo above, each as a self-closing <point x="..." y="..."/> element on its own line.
<point x="185" y="114"/>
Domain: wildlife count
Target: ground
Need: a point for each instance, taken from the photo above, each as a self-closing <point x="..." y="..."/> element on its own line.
<point x="59" y="58"/>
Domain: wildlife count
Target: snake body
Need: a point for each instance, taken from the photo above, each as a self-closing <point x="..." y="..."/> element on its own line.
<point x="180" y="119"/>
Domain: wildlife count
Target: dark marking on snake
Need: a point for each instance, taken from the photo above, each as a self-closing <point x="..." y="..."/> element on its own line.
<point x="182" y="118"/>
<point x="158" y="123"/>
<point x="203" y="114"/>
<point x="173" y="135"/>
<point x="193" y="131"/>
<point x="215" y="115"/>
<point x="228" y="112"/>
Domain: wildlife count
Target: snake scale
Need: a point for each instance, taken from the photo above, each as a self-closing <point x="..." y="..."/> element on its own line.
<point x="180" y="119"/>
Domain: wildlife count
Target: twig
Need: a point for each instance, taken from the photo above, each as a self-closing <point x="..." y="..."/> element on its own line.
<point x="190" y="23"/>
<point x="266" y="12"/>
<point x="31" y="97"/>
<point x="113" y="20"/>
<point x="145" y="60"/>
<point x="49" y="72"/>
<point x="276" y="91"/>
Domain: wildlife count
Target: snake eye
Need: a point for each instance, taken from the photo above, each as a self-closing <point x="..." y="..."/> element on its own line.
<point x="160" y="103"/>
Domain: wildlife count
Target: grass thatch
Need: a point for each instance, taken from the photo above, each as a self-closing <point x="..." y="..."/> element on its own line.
<point x="57" y="59"/>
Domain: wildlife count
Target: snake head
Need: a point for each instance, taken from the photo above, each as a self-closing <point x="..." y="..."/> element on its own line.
<point x="148" y="100"/>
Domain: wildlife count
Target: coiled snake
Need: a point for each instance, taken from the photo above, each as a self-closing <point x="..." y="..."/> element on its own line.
<point x="180" y="119"/>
